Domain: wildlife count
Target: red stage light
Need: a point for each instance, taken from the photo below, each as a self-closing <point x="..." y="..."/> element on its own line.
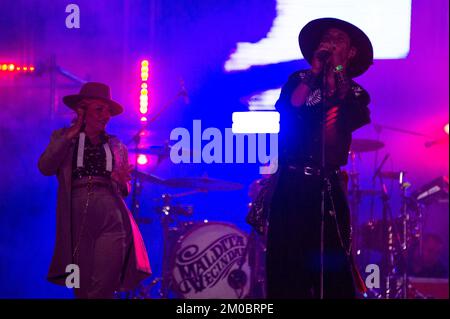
<point x="11" y="67"/>
<point x="446" y="128"/>
<point x="143" y="98"/>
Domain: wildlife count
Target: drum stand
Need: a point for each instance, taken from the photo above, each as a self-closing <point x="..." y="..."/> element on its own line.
<point x="394" y="266"/>
<point x="166" y="218"/>
<point x="355" y="201"/>
<point x="169" y="213"/>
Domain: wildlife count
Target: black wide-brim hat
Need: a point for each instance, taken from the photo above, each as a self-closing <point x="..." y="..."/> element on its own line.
<point x="93" y="90"/>
<point x="311" y="35"/>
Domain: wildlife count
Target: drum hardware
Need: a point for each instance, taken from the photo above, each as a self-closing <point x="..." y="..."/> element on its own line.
<point x="434" y="190"/>
<point x="355" y="193"/>
<point x="160" y="151"/>
<point x="394" y="237"/>
<point x="203" y="184"/>
<point x="365" y="145"/>
<point x="169" y="214"/>
<point x="397" y="234"/>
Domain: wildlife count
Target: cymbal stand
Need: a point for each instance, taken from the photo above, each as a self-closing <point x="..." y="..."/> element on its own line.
<point x="355" y="200"/>
<point x="406" y="218"/>
<point x="166" y="218"/>
<point x="405" y="230"/>
<point x="136" y="139"/>
<point x="169" y="214"/>
<point x="395" y="248"/>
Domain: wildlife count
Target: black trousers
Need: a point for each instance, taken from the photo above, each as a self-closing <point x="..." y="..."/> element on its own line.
<point x="294" y="241"/>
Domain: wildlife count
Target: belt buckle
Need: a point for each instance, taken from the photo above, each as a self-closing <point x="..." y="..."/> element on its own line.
<point x="308" y="170"/>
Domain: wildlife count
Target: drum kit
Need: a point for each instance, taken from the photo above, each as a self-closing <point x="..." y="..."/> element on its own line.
<point x="200" y="259"/>
<point x="393" y="236"/>
<point x="218" y="260"/>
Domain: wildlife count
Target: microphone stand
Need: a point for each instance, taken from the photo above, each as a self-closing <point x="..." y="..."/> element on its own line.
<point x="323" y="175"/>
<point x="136" y="139"/>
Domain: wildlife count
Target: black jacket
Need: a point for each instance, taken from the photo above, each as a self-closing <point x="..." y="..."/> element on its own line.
<point x="300" y="127"/>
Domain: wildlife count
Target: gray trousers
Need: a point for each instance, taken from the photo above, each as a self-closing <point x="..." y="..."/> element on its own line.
<point x="101" y="239"/>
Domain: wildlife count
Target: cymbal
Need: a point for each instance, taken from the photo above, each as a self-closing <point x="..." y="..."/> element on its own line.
<point x="365" y="192"/>
<point x="362" y="145"/>
<point x="148" y="177"/>
<point x="391" y="174"/>
<point x="157" y="150"/>
<point x="203" y="183"/>
<point x="151" y="150"/>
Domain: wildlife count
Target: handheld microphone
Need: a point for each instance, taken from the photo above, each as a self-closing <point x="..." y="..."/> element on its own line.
<point x="323" y="55"/>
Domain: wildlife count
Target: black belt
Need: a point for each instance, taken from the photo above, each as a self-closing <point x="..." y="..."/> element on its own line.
<point x="90" y="181"/>
<point x="314" y="171"/>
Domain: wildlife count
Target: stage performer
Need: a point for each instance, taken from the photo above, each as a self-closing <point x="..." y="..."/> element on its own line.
<point x="319" y="109"/>
<point x="94" y="228"/>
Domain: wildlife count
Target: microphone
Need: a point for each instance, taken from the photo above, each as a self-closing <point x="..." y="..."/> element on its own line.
<point x="184" y="93"/>
<point x="323" y="55"/>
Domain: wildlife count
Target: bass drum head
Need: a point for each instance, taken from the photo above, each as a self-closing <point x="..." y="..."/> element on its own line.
<point x="205" y="263"/>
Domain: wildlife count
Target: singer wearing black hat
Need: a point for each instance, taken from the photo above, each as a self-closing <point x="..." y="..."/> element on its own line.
<point x="309" y="249"/>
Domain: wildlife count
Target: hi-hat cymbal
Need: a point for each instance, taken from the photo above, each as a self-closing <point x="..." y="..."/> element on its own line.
<point x="203" y="183"/>
<point x="362" y="145"/>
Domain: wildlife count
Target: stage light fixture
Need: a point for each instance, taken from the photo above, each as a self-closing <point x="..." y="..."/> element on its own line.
<point x="142" y="159"/>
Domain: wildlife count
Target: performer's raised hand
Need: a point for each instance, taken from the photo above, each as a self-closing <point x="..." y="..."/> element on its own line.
<point x="75" y="129"/>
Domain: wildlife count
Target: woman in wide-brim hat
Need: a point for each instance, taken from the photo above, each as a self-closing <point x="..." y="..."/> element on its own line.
<point x="95" y="230"/>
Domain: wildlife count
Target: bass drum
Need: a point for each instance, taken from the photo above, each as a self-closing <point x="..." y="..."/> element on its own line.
<point x="210" y="261"/>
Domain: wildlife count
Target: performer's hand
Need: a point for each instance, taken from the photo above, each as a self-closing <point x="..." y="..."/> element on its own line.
<point x="123" y="174"/>
<point x="337" y="59"/>
<point x="317" y="64"/>
<point x="75" y="129"/>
